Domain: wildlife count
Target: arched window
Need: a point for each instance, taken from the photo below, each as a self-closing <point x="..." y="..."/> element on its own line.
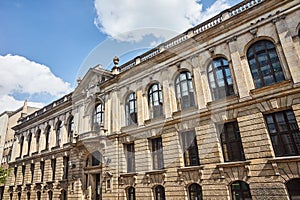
<point x="58" y="133"/>
<point x="70" y="128"/>
<point x="131" y="193"/>
<point x="50" y="195"/>
<point x="29" y="138"/>
<point x="47" y="137"/>
<point x="219" y="78"/>
<point x="264" y="64"/>
<point x="195" y="192"/>
<point x="21" y="145"/>
<point x="155" y="100"/>
<point x="38" y="195"/>
<point x="98" y="116"/>
<point x="64" y="195"/>
<point x="293" y="188"/>
<point x="159" y="192"/>
<point x="96" y="158"/>
<point x="240" y="191"/>
<point x="37" y="140"/>
<point x="184" y="90"/>
<point x="130" y="109"/>
<point x="28" y="195"/>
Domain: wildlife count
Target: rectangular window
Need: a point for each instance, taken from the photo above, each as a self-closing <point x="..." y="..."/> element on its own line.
<point x="15" y="174"/>
<point x="23" y="173"/>
<point x="130" y="157"/>
<point x="157" y="153"/>
<point x="32" y="171"/>
<point x="42" y="167"/>
<point x="231" y="142"/>
<point x="190" y="148"/>
<point x="284" y="133"/>
<point x="53" y="167"/>
<point x="66" y="167"/>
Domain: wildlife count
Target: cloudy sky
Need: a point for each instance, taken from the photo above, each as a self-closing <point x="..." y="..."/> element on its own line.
<point x="45" y="45"/>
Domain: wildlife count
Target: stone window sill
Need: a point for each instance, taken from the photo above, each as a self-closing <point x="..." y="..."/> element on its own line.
<point x="275" y="88"/>
<point x="275" y="161"/>
<point x="241" y="164"/>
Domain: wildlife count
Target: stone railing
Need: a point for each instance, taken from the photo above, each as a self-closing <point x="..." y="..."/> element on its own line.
<point x="225" y="15"/>
<point x="58" y="102"/>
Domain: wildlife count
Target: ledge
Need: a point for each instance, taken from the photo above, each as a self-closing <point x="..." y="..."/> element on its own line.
<point x="228" y="100"/>
<point x="276" y="87"/>
<point x="34" y="153"/>
<point x="156" y="119"/>
<point x="45" y="150"/>
<point x="184" y="111"/>
<point x="275" y="161"/>
<point x="128" y="174"/>
<point x="156" y="171"/>
<point x="233" y="164"/>
<point x="129" y="127"/>
<point x="56" y="147"/>
<point x="190" y="168"/>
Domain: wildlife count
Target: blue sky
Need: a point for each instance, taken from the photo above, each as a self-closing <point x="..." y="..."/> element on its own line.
<point x="45" y="44"/>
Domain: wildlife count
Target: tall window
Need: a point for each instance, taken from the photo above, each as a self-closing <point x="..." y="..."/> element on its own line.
<point x="64" y="195"/>
<point x="195" y="192"/>
<point x="42" y="168"/>
<point x="130" y="109"/>
<point x="23" y="173"/>
<point x="159" y="192"/>
<point x="19" y="195"/>
<point x="47" y="136"/>
<point x="293" y="188"/>
<point x="190" y="148"/>
<point x="15" y="174"/>
<point x="37" y="140"/>
<point x="130" y="157"/>
<point x="284" y="133"/>
<point x="231" y="142"/>
<point x="131" y="193"/>
<point x="53" y="167"/>
<point x="28" y="195"/>
<point x="155" y="100"/>
<point x="66" y="167"/>
<point x="240" y="191"/>
<point x="70" y="128"/>
<point x="184" y="90"/>
<point x="98" y="116"/>
<point x="157" y="153"/>
<point x="220" y="80"/>
<point x="21" y="145"/>
<point x="38" y="194"/>
<point x="264" y="64"/>
<point x="50" y="195"/>
<point x="59" y="127"/>
<point x="29" y="143"/>
<point x="32" y="171"/>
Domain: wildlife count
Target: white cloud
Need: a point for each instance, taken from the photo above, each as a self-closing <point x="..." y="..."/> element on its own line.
<point x="22" y="76"/>
<point x="121" y="18"/>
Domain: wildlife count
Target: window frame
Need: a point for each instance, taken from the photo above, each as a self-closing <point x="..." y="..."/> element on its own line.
<point x="29" y="139"/>
<point x="198" y="191"/>
<point x="155" y="110"/>
<point x="159" y="189"/>
<point x="228" y="144"/>
<point x="47" y="137"/>
<point x="131" y="101"/>
<point x="130" y="192"/>
<point x="184" y="101"/>
<point x="157" y="153"/>
<point x="98" y="116"/>
<point x="37" y="140"/>
<point x="254" y="57"/>
<point x="58" y="132"/>
<point x="190" y="148"/>
<point x="292" y="132"/>
<point x="241" y="191"/>
<point x="21" y="145"/>
<point x="212" y="70"/>
<point x="130" y="156"/>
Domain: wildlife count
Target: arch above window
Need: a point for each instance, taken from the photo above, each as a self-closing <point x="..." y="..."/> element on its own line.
<point x="240" y="191"/>
<point x="293" y="188"/>
<point x="220" y="80"/>
<point x="131" y="109"/>
<point x="155" y="100"/>
<point x="264" y="64"/>
<point x="195" y="192"/>
<point x="184" y="90"/>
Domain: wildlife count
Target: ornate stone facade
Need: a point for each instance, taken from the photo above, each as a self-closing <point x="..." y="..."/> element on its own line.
<point x="213" y="113"/>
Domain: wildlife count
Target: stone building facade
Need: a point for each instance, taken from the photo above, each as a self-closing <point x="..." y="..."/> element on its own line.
<point x="213" y="113"/>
